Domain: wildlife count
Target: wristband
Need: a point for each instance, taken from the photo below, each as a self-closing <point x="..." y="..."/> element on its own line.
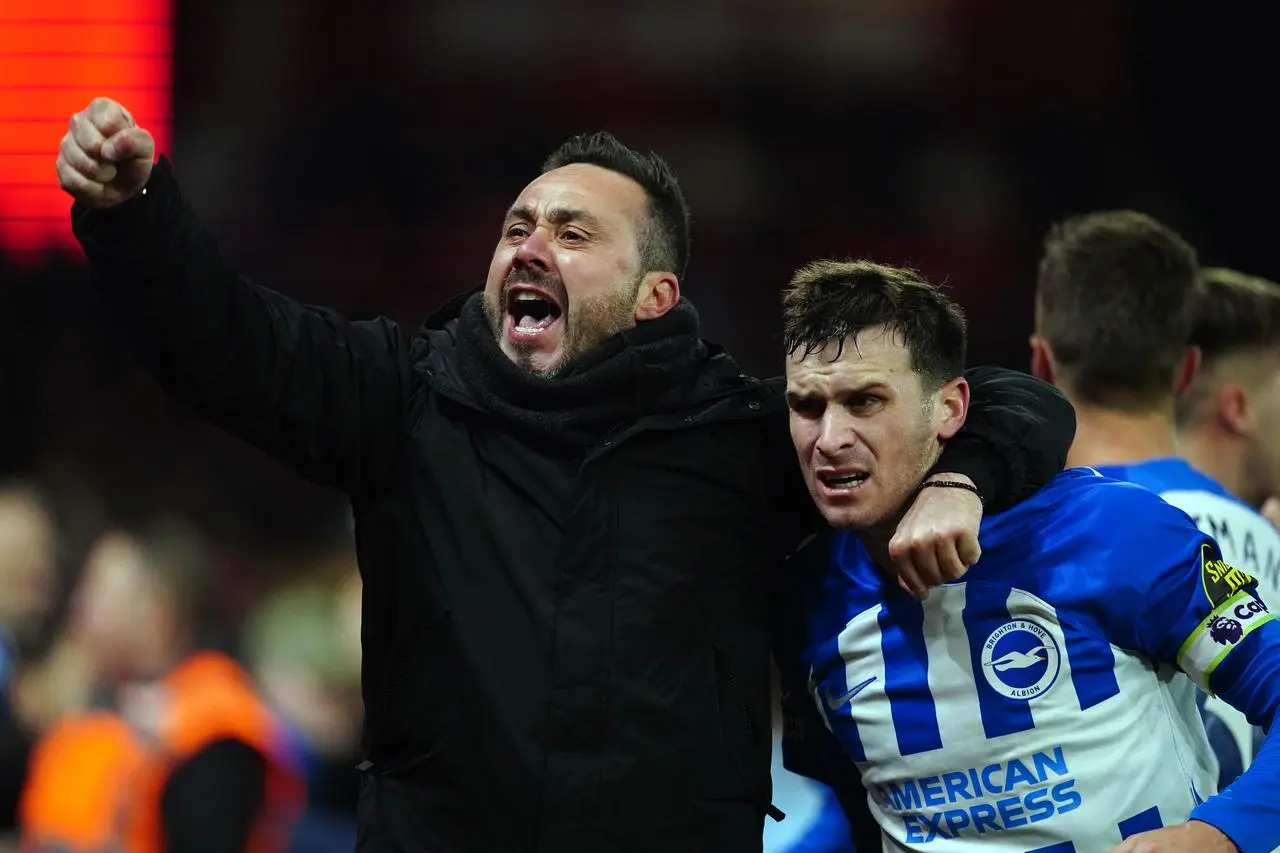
<point x="952" y="484"/>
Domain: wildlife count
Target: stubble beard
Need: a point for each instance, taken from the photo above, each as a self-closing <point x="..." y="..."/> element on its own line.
<point x="587" y="323"/>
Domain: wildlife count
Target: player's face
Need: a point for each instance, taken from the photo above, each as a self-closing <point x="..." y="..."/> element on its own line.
<point x="566" y="272"/>
<point x="27" y="565"/>
<point x="1263" y="462"/>
<point x="865" y="429"/>
<point x="111" y="607"/>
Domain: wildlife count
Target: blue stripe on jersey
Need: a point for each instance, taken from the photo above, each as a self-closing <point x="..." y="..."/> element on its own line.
<point x="986" y="608"/>
<point x="906" y="676"/>
<point x="1141" y="822"/>
<point x="1093" y="666"/>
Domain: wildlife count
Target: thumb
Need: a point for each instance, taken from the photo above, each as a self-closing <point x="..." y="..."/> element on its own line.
<point x="132" y="143"/>
<point x="969" y="549"/>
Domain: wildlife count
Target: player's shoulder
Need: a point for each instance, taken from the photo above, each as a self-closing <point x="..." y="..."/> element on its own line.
<point x="1095" y="501"/>
<point x="1097" y="531"/>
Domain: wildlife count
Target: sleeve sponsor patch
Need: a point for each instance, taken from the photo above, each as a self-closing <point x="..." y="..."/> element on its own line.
<point x="1220" y="579"/>
<point x="1220" y="632"/>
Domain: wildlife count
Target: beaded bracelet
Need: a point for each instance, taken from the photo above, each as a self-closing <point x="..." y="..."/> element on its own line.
<point x="953" y="484"/>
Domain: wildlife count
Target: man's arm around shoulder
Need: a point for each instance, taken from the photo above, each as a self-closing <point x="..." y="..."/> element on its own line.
<point x="1015" y="439"/>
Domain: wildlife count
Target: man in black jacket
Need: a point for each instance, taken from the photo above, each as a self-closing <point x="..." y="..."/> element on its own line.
<point x="567" y="503"/>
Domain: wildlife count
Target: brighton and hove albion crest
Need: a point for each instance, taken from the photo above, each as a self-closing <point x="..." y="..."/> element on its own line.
<point x="1021" y="660"/>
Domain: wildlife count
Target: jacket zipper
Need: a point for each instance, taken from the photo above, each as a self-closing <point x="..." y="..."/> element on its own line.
<point x="752" y="731"/>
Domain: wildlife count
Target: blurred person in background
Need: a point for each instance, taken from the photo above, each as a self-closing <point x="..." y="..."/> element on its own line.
<point x="1117" y="298"/>
<point x="566" y="503"/>
<point x="1228" y="419"/>
<point x="180" y="753"/>
<point x="1228" y="423"/>
<point x="1040" y="703"/>
<point x="28" y="584"/>
<point x="816" y="822"/>
<point x="303" y="647"/>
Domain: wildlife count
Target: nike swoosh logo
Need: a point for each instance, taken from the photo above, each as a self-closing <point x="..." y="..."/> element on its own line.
<point x="834" y="702"/>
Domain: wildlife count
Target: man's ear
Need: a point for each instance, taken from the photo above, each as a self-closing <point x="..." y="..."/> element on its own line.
<point x="1188" y="367"/>
<point x="952" y="407"/>
<point x="659" y="292"/>
<point x="1235" y="413"/>
<point x="1042" y="366"/>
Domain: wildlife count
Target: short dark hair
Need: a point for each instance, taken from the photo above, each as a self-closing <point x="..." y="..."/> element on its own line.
<point x="1235" y="312"/>
<point x="829" y="301"/>
<point x="664" y="243"/>
<point x="1115" y="297"/>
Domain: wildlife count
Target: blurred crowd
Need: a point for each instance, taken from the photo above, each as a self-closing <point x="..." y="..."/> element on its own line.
<point x="97" y="603"/>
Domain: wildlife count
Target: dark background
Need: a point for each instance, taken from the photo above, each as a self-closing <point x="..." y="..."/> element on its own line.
<point x="361" y="156"/>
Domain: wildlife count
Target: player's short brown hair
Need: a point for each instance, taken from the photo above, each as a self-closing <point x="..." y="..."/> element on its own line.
<point x="828" y="301"/>
<point x="1115" y="299"/>
<point x="1235" y="312"/>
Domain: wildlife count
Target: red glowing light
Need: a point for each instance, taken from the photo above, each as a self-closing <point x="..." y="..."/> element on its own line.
<point x="55" y="57"/>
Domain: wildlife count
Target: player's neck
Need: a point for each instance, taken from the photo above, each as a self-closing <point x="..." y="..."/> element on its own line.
<point x="1111" y="437"/>
<point x="1215" y="454"/>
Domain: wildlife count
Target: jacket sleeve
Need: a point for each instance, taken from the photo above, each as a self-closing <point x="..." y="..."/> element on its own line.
<point x="324" y="395"/>
<point x="1016" y="437"/>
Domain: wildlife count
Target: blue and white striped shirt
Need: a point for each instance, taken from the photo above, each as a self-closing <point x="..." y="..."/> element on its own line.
<point x="1042" y="703"/>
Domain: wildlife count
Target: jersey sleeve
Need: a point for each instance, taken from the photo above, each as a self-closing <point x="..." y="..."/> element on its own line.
<point x="1181" y="604"/>
<point x="1172" y="597"/>
<point x="1248" y="811"/>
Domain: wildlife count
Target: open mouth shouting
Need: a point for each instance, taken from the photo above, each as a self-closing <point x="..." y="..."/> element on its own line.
<point x="840" y="482"/>
<point x="534" y="317"/>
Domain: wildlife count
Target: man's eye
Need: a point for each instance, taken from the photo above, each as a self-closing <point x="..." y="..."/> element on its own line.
<point x="807" y="408"/>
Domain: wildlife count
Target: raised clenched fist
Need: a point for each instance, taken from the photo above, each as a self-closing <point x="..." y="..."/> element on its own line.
<point x="105" y="158"/>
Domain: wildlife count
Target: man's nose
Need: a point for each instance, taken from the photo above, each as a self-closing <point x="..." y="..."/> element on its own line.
<point x="836" y="435"/>
<point x="534" y="251"/>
